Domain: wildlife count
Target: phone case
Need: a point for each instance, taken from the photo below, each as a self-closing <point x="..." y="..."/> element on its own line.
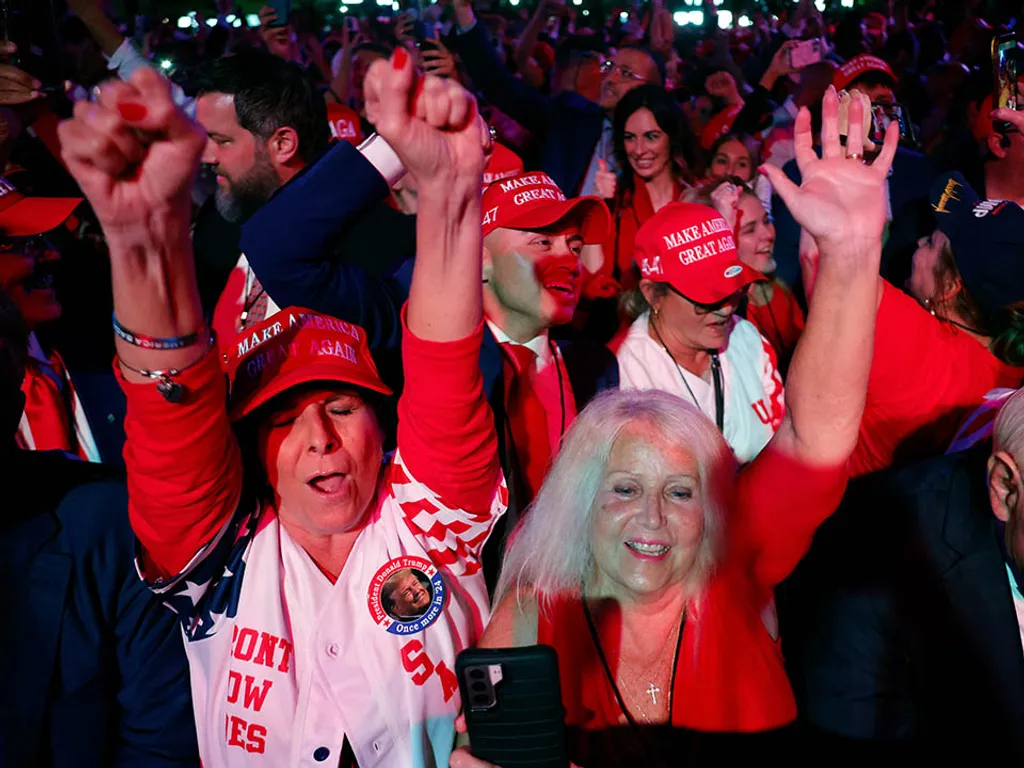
<point x="283" y="8"/>
<point x="526" y="726"/>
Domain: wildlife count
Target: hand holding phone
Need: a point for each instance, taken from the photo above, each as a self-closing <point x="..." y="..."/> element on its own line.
<point x="276" y="13"/>
<point x="1004" y="68"/>
<point x="513" y="691"/>
<point x="804" y="53"/>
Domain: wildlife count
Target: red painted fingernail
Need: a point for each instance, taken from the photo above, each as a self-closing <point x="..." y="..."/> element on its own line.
<point x="763" y="170"/>
<point x="400" y="58"/>
<point x="132" y="112"/>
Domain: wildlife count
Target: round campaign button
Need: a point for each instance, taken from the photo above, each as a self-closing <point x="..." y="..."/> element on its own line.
<point x="406" y="595"/>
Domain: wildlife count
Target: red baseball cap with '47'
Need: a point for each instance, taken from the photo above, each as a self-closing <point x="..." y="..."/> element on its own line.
<point x="691" y="247"/>
<point x="533" y="201"/>
<point x="22" y="216"/>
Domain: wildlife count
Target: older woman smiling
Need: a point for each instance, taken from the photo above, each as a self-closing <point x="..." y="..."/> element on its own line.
<point x="649" y="563"/>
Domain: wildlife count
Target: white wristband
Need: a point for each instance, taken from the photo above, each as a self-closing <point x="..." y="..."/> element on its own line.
<point x="383" y="158"/>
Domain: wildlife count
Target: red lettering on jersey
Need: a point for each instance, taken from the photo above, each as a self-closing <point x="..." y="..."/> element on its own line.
<point x="255" y="695"/>
<point x="246" y="644"/>
<point x="234" y="682"/>
<point x="236" y="731"/>
<point x="449" y="682"/>
<point x="251" y="737"/>
<point x="287" y="648"/>
<point x="257" y="739"/>
<point x="761" y="409"/>
<point x="265" y="655"/>
<point x="418" y="665"/>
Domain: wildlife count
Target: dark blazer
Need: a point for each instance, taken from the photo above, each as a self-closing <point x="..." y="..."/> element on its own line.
<point x="568" y="125"/>
<point x="909" y="185"/>
<point x="899" y="626"/>
<point x="93" y="665"/>
<point x="325" y="241"/>
<point x="591" y="369"/>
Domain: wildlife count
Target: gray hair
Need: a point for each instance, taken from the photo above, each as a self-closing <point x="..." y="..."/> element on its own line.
<point x="551" y="551"/>
<point x="1008" y="430"/>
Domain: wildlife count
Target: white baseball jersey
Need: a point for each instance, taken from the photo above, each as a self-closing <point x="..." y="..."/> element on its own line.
<point x="754" y="395"/>
<point x="286" y="666"/>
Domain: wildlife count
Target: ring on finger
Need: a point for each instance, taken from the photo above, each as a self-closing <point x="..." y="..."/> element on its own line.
<point x="855" y="156"/>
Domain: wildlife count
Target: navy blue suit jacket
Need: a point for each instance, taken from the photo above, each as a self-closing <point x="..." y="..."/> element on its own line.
<point x="568" y="124"/>
<point x="93" y="665"/>
<point x="899" y="626"/>
<point x="909" y="184"/>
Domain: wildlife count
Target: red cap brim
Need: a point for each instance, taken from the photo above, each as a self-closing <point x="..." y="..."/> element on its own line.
<point x="324" y="370"/>
<point x="712" y="281"/>
<point x="36" y="215"/>
<point x="594" y="219"/>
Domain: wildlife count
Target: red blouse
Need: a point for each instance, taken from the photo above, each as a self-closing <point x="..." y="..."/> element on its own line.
<point x="729" y="671"/>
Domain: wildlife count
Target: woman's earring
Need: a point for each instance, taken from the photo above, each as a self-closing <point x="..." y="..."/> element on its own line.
<point x="927" y="304"/>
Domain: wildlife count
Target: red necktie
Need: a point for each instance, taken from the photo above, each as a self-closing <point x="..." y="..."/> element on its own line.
<point x="46" y="408"/>
<point x="527" y="417"/>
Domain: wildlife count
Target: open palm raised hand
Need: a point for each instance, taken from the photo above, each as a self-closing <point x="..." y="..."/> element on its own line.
<point x="841" y="199"/>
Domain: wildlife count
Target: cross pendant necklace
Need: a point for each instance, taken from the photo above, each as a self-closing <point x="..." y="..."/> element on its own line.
<point x="654" y="691"/>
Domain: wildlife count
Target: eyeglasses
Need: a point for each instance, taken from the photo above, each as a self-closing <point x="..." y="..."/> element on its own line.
<point x="706" y="309"/>
<point x="621" y="71"/>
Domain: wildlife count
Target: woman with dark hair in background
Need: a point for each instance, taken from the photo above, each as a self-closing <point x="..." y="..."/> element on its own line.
<point x="655" y="151"/>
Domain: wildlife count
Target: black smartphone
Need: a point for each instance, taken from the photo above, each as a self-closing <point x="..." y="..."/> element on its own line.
<point x="512" y="701"/>
<point x="882" y="115"/>
<point x="283" y="9"/>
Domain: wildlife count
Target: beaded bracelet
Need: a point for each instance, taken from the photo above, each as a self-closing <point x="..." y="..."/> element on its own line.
<point x="172" y="391"/>
<point x="152" y="342"/>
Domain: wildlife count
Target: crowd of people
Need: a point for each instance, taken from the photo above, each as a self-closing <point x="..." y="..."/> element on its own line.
<point x="691" y="351"/>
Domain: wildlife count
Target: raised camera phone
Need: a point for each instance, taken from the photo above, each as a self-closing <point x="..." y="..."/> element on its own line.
<point x="512" y="701"/>
<point x="805" y="53"/>
<point x="283" y="9"/>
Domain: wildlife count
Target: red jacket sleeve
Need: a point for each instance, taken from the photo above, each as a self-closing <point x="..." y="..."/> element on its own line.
<point x="925" y="377"/>
<point x="445" y="426"/>
<point x="780" y="502"/>
<point x="184" y="467"/>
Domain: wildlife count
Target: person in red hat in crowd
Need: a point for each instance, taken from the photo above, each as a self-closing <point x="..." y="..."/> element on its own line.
<point x="344" y="124"/>
<point x="54" y="417"/>
<point x="532" y="281"/>
<point x="870" y="75"/>
<point x="687" y="338"/>
<point x="649" y="562"/>
<point x="1001" y="145"/>
<point x="267" y="126"/>
<point x="270" y="516"/>
<point x="534" y="58"/>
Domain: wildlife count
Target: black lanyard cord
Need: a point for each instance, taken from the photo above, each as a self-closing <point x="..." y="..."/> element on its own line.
<point x="716" y="376"/>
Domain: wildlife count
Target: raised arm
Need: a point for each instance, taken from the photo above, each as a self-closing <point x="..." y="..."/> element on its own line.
<point x="136" y="155"/>
<point x="841" y="203"/>
<point x="445" y="430"/>
<point x="522" y="103"/>
<point x="532" y="73"/>
<point x="798" y="480"/>
<point x="290" y="243"/>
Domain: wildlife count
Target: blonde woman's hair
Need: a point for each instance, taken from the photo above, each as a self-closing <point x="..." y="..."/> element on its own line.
<point x="551" y="552"/>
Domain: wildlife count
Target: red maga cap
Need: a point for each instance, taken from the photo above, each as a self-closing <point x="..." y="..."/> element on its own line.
<point x="21" y="216"/>
<point x="344" y="123"/>
<point x="691" y="247"/>
<point x="533" y="201"/>
<point x="719" y="125"/>
<point x="297" y="346"/>
<point x="502" y="163"/>
<point x="860" y="65"/>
